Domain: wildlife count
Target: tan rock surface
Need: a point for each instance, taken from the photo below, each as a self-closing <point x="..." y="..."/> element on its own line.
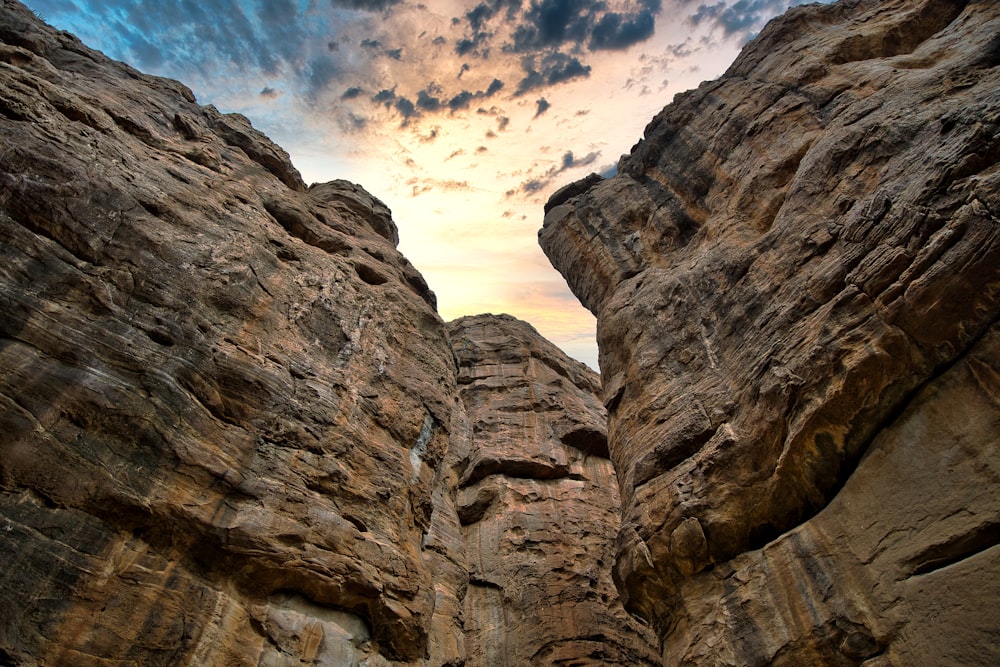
<point x="784" y="271"/>
<point x="538" y="504"/>
<point x="223" y="400"/>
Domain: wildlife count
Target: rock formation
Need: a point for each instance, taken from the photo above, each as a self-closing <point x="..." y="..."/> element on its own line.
<point x="225" y="399"/>
<point x="796" y="277"/>
<point x="234" y="430"/>
<point x="538" y="503"/>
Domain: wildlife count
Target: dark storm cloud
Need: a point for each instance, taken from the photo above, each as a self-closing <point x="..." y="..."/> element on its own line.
<point x="464" y="99"/>
<point x="550" y="69"/>
<point x="478" y="15"/>
<point x="269" y="93"/>
<point x="352" y="93"/>
<point x="552" y="23"/>
<point x="464" y="47"/>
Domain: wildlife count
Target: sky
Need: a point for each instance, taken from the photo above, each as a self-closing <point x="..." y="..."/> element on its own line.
<point x="463" y="116"/>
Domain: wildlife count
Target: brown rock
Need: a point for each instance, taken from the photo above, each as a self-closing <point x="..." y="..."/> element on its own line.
<point x="538" y="504"/>
<point x="782" y="271"/>
<point x="223" y="401"/>
<point x="233" y="430"/>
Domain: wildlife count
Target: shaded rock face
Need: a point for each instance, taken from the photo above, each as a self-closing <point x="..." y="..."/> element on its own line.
<point x="795" y="275"/>
<point x="224" y="400"/>
<point x="537" y="501"/>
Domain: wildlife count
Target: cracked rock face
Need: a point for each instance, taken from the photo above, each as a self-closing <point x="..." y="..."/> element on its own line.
<point x="223" y="399"/>
<point x="795" y="275"/>
<point x="537" y="500"/>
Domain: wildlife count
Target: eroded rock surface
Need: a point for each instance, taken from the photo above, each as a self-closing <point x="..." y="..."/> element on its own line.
<point x="795" y="276"/>
<point x="538" y="506"/>
<point x="234" y="430"/>
<point x="224" y="400"/>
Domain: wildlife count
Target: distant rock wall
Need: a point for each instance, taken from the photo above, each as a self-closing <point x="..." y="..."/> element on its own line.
<point x="796" y="277"/>
<point x="538" y="506"/>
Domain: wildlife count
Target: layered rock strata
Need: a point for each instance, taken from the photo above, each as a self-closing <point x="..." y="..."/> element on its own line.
<point x="234" y="430"/>
<point x="224" y="397"/>
<point x="795" y="275"/>
<point x="538" y="506"/>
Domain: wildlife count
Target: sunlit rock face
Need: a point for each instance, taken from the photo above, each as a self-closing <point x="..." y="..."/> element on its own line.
<point x="537" y="501"/>
<point x="795" y="275"/>
<point x="224" y="398"/>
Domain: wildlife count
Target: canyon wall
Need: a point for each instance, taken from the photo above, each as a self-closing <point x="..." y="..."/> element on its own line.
<point x="538" y="505"/>
<point x="233" y="428"/>
<point x="796" y="277"/>
<point x="235" y="431"/>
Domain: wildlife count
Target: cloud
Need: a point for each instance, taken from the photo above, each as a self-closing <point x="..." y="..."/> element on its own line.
<point x="269" y="93"/>
<point x="560" y="23"/>
<point x="322" y="71"/>
<point x="352" y="93"/>
<point x="461" y="101"/>
<point x="406" y="109"/>
<point x="550" y="69"/>
<point x="422" y="185"/>
<point x="428" y="100"/>
<point x="620" y="31"/>
<point x="741" y="19"/>
<point x="365" y="5"/>
<point x="542" y="182"/>
<point x="495" y="87"/>
<point x="541" y="106"/>
<point x="385" y="96"/>
<point x="464" y="99"/>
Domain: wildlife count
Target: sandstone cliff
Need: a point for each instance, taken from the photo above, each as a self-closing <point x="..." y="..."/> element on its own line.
<point x="233" y="429"/>
<point x="224" y="398"/>
<point x="796" y="278"/>
<point x="538" y="504"/>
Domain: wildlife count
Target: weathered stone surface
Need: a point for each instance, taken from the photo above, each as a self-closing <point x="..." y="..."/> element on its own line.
<point x="233" y="429"/>
<point x="538" y="504"/>
<point x="223" y="400"/>
<point x="795" y="271"/>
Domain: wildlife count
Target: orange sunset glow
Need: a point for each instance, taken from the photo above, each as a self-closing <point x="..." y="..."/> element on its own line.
<point x="463" y="117"/>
